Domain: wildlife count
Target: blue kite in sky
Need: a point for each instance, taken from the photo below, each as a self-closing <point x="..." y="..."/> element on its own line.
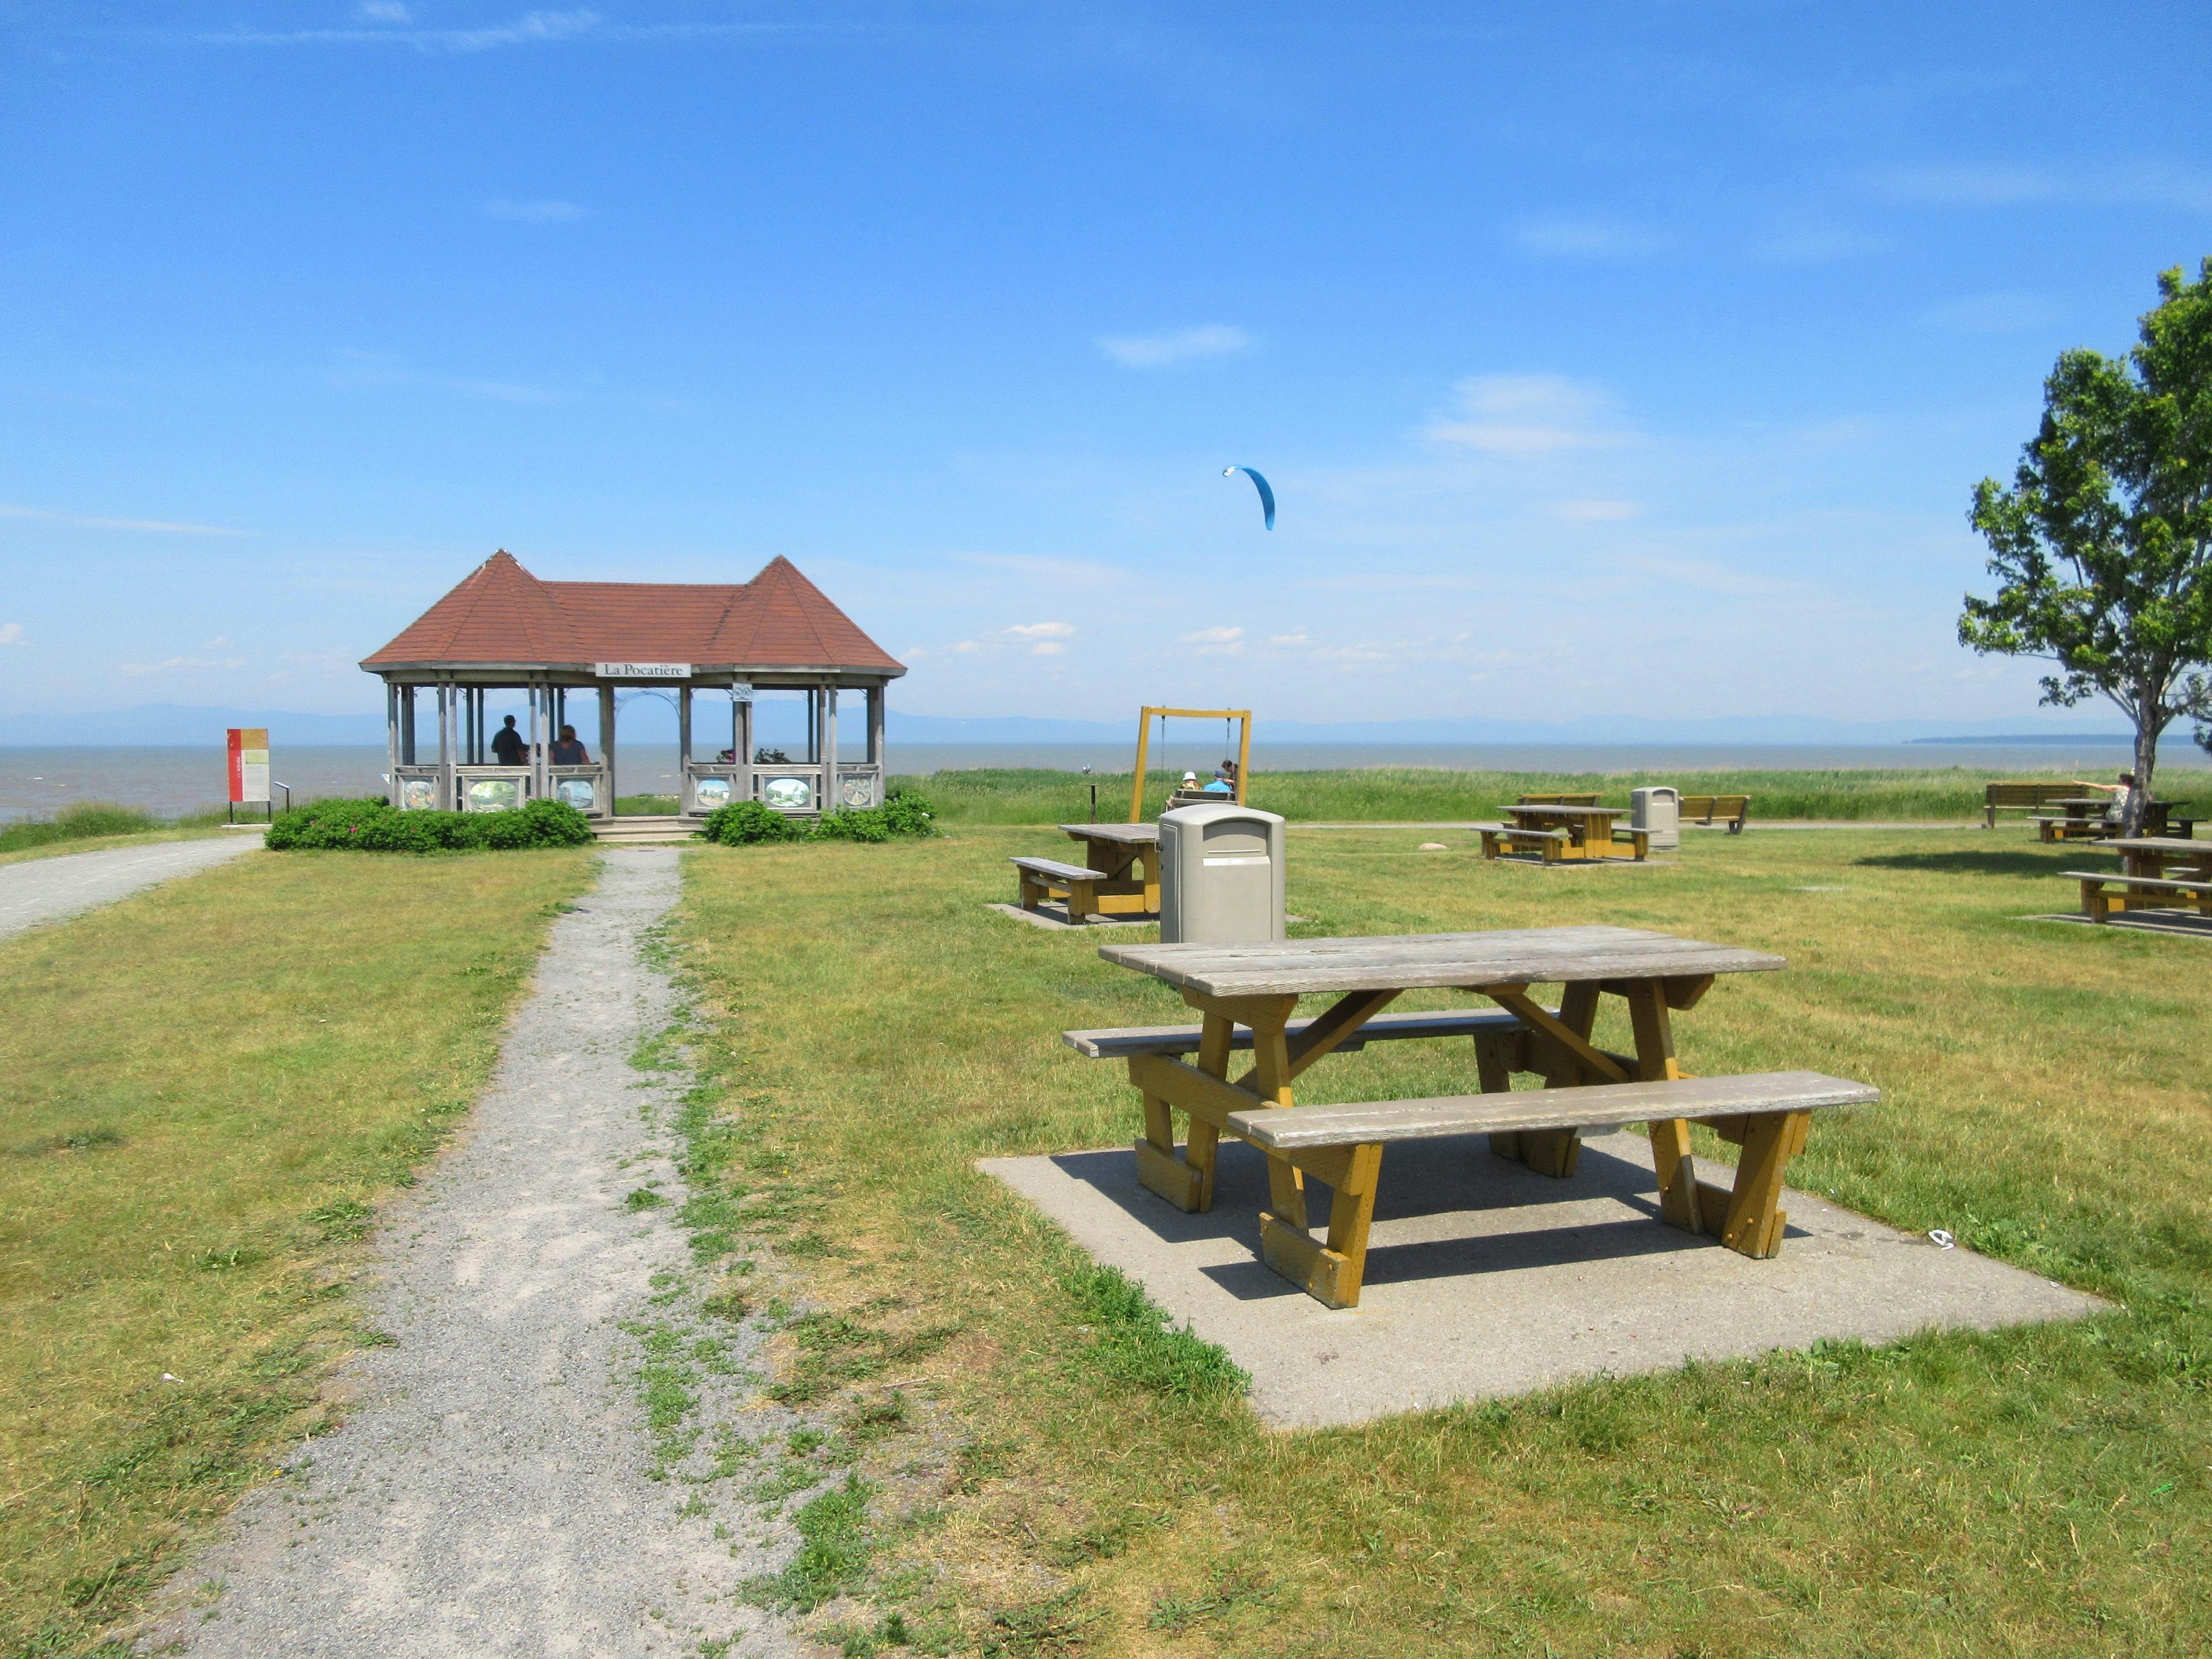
<point x="1266" y="495"/>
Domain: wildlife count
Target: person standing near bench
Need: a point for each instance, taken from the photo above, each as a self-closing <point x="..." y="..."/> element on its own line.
<point x="507" y="746"/>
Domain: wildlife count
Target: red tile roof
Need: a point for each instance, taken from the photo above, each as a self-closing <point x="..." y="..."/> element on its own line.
<point x="500" y="613"/>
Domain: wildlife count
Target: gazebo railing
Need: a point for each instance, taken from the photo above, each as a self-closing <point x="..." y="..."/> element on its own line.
<point x="589" y="789"/>
<point x="491" y="788"/>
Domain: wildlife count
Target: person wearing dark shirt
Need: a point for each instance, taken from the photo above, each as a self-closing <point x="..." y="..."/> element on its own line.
<point x="568" y="751"/>
<point x="507" y="745"/>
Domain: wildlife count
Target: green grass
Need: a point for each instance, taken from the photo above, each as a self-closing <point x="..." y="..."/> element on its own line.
<point x="82" y="822"/>
<point x="646" y="806"/>
<point x="2032" y="1492"/>
<point x="1418" y="794"/>
<point x="204" y="1092"/>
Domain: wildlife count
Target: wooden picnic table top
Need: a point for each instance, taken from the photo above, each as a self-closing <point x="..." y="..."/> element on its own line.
<point x="2159" y="844"/>
<point x="1410" y="962"/>
<point x="1543" y="808"/>
<point x="1130" y="835"/>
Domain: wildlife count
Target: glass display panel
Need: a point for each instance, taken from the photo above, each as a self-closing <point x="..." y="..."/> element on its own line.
<point x="582" y="793"/>
<point x="787" y="794"/>
<point x="711" y="793"/>
<point x="857" y="790"/>
<point x="494" y="795"/>
<point x="417" y="794"/>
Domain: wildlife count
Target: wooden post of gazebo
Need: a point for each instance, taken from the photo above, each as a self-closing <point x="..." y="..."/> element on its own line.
<point x="503" y="628"/>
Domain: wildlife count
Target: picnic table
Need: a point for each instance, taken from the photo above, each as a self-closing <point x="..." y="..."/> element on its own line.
<point x="1119" y="874"/>
<point x="2082" y="818"/>
<point x="2145" y="881"/>
<point x="1559" y="831"/>
<point x="1245" y="994"/>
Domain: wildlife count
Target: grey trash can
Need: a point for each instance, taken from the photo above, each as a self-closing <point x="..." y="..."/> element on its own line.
<point x="1221" y="876"/>
<point x="1659" y="811"/>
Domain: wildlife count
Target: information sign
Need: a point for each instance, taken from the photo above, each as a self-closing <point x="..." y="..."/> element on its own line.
<point x="249" y="764"/>
<point x="642" y="671"/>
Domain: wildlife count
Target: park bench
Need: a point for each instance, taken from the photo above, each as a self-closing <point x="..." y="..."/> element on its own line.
<point x="2098" y="905"/>
<point x="1735" y="810"/>
<point x="1766" y="1114"/>
<point x="1044" y="879"/>
<point x="2019" y="798"/>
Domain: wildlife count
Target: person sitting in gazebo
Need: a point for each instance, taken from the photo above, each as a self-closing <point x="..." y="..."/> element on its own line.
<point x="568" y="748"/>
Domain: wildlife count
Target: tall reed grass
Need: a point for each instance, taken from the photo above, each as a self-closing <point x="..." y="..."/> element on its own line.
<point x="1417" y="795"/>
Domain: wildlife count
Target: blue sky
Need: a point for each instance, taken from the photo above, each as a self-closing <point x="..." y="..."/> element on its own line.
<point x="1612" y="359"/>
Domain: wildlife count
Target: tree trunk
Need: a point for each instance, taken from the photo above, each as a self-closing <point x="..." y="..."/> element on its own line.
<point x="2147" y="726"/>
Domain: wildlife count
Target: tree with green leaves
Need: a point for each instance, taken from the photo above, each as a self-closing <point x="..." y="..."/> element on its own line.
<point x="2102" y="548"/>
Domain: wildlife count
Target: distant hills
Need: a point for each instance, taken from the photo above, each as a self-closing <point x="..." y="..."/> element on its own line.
<point x="649" y="721"/>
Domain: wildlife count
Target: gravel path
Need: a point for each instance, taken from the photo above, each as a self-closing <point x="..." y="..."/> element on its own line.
<point x="491" y="1492"/>
<point x="46" y="890"/>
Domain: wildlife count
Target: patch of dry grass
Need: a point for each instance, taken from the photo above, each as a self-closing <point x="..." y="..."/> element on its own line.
<point x="204" y="1091"/>
<point x="2033" y="1492"/>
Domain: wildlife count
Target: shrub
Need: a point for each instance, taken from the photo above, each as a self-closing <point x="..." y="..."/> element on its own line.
<point x="78" y="823"/>
<point x="375" y="826"/>
<point x="744" y="823"/>
<point x="747" y="823"/>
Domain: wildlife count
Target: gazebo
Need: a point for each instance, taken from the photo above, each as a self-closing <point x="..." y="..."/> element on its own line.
<point x="501" y="629"/>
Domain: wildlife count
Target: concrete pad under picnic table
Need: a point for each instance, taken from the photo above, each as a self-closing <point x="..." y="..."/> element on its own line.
<point x="1485" y="1279"/>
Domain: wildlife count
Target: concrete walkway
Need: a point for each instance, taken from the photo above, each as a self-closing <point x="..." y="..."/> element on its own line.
<point x="490" y="1493"/>
<point x="1485" y="1279"/>
<point x="47" y="889"/>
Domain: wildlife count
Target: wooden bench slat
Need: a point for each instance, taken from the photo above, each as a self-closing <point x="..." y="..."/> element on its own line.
<point x="1115" y="1041"/>
<point x="2114" y="879"/>
<point x="1293" y="1128"/>
<point x="1057" y="871"/>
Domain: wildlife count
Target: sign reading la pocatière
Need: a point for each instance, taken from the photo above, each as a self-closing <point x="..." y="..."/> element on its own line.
<point x="642" y="671"/>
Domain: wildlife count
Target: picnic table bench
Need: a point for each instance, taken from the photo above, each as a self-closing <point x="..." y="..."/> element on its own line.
<point x="1558" y="832"/>
<point x="1735" y="810"/>
<point x="2142" y="877"/>
<point x="1559" y="800"/>
<point x="1119" y="874"/>
<point x="1245" y="994"/>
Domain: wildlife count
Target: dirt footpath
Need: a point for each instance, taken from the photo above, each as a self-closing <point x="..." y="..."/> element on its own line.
<point x="493" y="1490"/>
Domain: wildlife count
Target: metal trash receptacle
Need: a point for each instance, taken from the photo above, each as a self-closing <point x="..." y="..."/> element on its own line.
<point x="1221" y="876"/>
<point x="1658" y="811"/>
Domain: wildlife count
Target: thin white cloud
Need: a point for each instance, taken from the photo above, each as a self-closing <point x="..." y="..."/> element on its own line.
<point x="1703" y="575"/>
<point x="389" y="26"/>
<point x="1569" y="238"/>
<point x="358" y="369"/>
<point x="153" y="527"/>
<point x="1212" y="636"/>
<point x="1596" y="512"/>
<point x="1047" y="648"/>
<point x="1043" y="631"/>
<point x="963" y="648"/>
<point x="1993" y="313"/>
<point x="533" y="213"/>
<point x="385" y="11"/>
<point x="2133" y="184"/>
<point x="1525" y="414"/>
<point x="11" y="633"/>
<point x="177" y="665"/>
<point x="1288" y="639"/>
<point x="1182" y="346"/>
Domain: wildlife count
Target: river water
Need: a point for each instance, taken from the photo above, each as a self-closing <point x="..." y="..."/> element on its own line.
<point x="35" y="782"/>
